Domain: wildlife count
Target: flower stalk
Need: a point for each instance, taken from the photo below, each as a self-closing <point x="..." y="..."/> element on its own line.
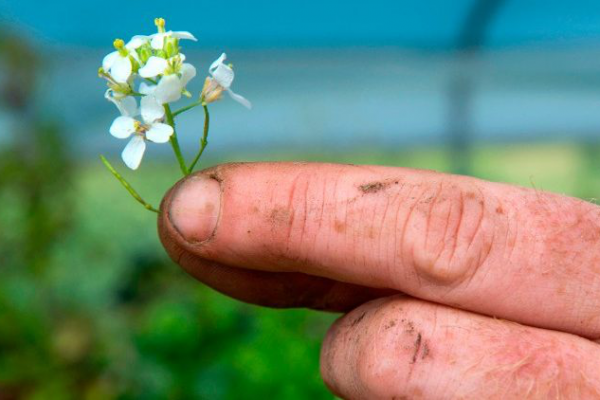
<point x="175" y="142"/>
<point x="204" y="139"/>
<point x="128" y="186"/>
<point x="189" y="107"/>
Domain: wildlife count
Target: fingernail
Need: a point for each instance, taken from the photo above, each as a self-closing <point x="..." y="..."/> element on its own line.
<point x="195" y="207"/>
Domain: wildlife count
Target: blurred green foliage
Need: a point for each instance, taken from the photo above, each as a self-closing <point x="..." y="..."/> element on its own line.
<point x="92" y="308"/>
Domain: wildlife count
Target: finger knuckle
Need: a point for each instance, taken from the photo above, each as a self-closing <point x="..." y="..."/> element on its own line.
<point x="455" y="232"/>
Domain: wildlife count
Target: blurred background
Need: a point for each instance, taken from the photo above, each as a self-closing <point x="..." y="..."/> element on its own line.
<point x="90" y="305"/>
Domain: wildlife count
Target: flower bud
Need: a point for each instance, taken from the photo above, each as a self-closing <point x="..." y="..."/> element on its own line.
<point x="145" y="52"/>
<point x="171" y="47"/>
<point x="211" y="91"/>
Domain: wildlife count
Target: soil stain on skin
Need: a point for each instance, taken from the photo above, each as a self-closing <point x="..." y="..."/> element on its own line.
<point x="418" y="341"/>
<point x="357" y="320"/>
<point x="340" y="227"/>
<point x="390" y="324"/>
<point x="420" y="346"/>
<point x="376" y="186"/>
<point x="425" y="352"/>
<point x="373" y="187"/>
<point x="279" y="216"/>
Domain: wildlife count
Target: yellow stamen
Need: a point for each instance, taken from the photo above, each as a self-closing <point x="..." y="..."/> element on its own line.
<point x="120" y="46"/>
<point x="160" y="24"/>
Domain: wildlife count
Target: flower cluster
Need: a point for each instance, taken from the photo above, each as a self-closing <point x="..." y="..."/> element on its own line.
<point x="155" y="59"/>
<point x="152" y="68"/>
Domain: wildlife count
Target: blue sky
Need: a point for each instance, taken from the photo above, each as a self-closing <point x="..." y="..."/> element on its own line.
<point x="306" y="23"/>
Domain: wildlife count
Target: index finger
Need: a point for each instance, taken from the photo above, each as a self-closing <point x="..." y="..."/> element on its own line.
<point x="505" y="251"/>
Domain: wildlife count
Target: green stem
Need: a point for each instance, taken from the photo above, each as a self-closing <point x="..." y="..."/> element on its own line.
<point x="203" y="141"/>
<point x="175" y="142"/>
<point x="127" y="186"/>
<point x="184" y="109"/>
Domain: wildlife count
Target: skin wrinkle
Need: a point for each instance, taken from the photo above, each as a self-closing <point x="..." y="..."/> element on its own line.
<point x="446" y="224"/>
<point x="403" y="243"/>
<point x="304" y="214"/>
<point x="322" y="206"/>
<point x="291" y="207"/>
<point x="300" y="231"/>
<point x="458" y="225"/>
<point x="346" y="222"/>
<point x="394" y="235"/>
<point x="350" y="218"/>
<point x="480" y="219"/>
<point x="482" y="256"/>
<point x="382" y="260"/>
<point x="431" y="345"/>
<point x="331" y="216"/>
<point x="512" y="244"/>
<point x="364" y="253"/>
<point x="430" y="213"/>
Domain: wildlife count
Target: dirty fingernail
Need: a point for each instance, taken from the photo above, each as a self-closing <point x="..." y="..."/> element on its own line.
<point x="195" y="207"/>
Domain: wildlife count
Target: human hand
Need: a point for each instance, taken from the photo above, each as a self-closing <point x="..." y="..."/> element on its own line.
<point x="443" y="256"/>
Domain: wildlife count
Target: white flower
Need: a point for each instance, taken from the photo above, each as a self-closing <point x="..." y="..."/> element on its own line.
<point x="222" y="78"/>
<point x="118" y="63"/>
<point x="150" y="130"/>
<point x="170" y="86"/>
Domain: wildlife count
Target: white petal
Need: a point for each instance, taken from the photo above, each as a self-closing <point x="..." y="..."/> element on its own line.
<point x="158" y="40"/>
<point x="108" y="95"/>
<point x="216" y="63"/>
<point x="223" y="75"/>
<point x="154" y="66"/>
<point x="168" y="89"/>
<point x="181" y="56"/>
<point x="127" y="106"/>
<point x="136" y="41"/>
<point x="151" y="110"/>
<point x="121" y="69"/>
<point x="133" y="152"/>
<point x="188" y="71"/>
<point x="109" y="60"/>
<point x="240" y="99"/>
<point x="159" y="132"/>
<point x="183" y="35"/>
<point x="122" y="127"/>
<point x="146" y="89"/>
